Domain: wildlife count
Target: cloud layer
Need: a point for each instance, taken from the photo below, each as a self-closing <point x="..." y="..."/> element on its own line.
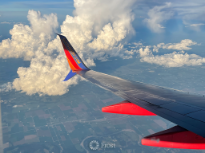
<point x="191" y="13"/>
<point x="96" y="31"/>
<point x="183" y="45"/>
<point x="98" y="28"/>
<point x="175" y="59"/>
<point x="157" y="16"/>
<point x="92" y="31"/>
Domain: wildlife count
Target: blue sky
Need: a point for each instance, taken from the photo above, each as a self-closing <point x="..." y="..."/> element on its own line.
<point x="16" y="11"/>
<point x="184" y="14"/>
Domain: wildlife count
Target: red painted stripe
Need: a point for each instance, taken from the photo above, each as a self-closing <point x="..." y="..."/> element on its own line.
<point x="128" y="108"/>
<point x="69" y="56"/>
<point x="71" y="65"/>
<point x="181" y="140"/>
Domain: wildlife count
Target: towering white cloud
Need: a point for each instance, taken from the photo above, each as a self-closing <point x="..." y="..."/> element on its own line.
<point x="99" y="27"/>
<point x="46" y="24"/>
<point x="26" y="40"/>
<point x="44" y="76"/>
<point x="157" y="16"/>
<point x="95" y="31"/>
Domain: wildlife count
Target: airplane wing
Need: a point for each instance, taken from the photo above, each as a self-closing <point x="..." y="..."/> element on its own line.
<point x="184" y="109"/>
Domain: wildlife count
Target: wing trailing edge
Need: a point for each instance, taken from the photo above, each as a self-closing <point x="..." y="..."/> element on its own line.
<point x="175" y="137"/>
<point x="126" y="107"/>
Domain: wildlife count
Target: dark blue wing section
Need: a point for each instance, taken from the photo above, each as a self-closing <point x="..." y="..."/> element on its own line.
<point x="186" y="110"/>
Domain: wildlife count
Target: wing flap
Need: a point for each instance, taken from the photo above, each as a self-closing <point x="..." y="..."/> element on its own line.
<point x="177" y="108"/>
<point x="199" y="115"/>
<point x="175" y="137"/>
<point x="126" y="107"/>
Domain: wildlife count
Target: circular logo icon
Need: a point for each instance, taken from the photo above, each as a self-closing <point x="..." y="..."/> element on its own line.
<point x="94" y="145"/>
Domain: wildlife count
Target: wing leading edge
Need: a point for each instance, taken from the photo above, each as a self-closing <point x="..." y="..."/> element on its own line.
<point x="179" y="107"/>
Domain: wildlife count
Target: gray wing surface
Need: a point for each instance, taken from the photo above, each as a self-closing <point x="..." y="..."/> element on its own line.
<point x="181" y="108"/>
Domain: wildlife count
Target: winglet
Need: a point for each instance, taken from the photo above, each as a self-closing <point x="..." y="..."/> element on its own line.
<point x="75" y="62"/>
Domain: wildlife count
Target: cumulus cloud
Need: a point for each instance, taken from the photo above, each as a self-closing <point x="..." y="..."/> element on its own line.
<point x="157" y="16"/>
<point x="183" y="45"/>
<point x="46" y="24"/>
<point x="108" y="37"/>
<point x="145" y="52"/>
<point x="95" y="31"/>
<point x="26" y="40"/>
<point x="99" y="27"/>
<point x="48" y="64"/>
<point x="175" y="59"/>
<point x="44" y="76"/>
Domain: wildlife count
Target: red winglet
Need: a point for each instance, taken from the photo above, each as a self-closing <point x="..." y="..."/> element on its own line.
<point x="125" y="107"/>
<point x="75" y="62"/>
<point x="175" y="137"/>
